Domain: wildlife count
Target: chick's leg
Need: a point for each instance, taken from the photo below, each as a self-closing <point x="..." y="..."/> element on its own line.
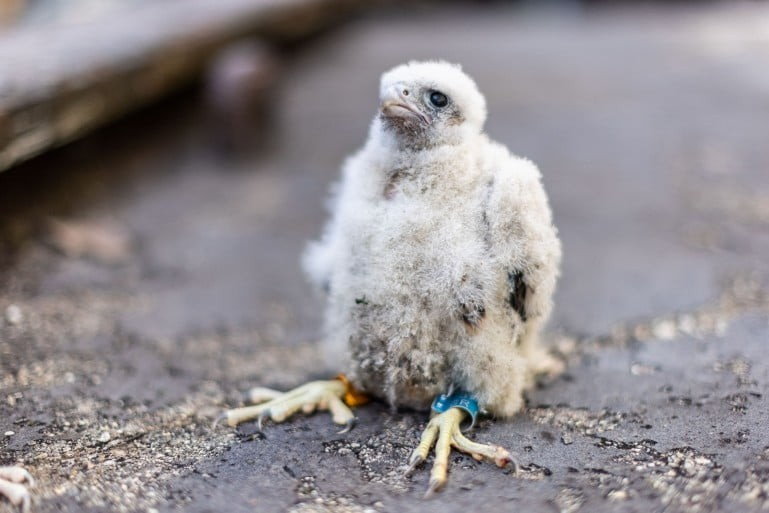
<point x="443" y="432"/>
<point x="328" y="395"/>
<point x="12" y="481"/>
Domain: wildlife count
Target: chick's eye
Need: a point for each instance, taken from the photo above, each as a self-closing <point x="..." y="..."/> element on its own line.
<point x="438" y="99"/>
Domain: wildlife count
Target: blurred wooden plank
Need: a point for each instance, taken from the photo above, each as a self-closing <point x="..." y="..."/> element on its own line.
<point x="60" y="81"/>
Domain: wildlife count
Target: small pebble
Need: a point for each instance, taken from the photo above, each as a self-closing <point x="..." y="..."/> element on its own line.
<point x="9" y="433"/>
<point x="664" y="330"/>
<point x="104" y="437"/>
<point x="13" y="314"/>
<point x="617" y="495"/>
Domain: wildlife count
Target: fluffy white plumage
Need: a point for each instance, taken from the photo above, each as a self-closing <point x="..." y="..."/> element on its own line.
<point x="440" y="257"/>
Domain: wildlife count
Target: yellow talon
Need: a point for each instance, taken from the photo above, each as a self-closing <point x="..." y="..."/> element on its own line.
<point x="320" y="395"/>
<point x="443" y="432"/>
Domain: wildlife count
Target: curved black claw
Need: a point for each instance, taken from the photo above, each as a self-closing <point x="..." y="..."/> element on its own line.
<point x="260" y="421"/>
<point x="433" y="487"/>
<point x="348" y="426"/>
<point x="414" y="462"/>
<point x="218" y="420"/>
<point x="28" y="478"/>
<point x="512" y="464"/>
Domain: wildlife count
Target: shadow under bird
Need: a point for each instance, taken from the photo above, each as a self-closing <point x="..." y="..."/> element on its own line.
<point x="439" y="263"/>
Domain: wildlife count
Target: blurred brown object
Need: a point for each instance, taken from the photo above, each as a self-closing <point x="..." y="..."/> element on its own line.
<point x="62" y="80"/>
<point x="10" y="10"/>
<point x="104" y="241"/>
<point x="240" y="92"/>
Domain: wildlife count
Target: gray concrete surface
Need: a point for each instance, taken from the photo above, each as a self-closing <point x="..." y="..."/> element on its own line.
<point x="650" y="127"/>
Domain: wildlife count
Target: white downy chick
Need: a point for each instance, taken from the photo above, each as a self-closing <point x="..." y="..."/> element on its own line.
<point x="440" y="257"/>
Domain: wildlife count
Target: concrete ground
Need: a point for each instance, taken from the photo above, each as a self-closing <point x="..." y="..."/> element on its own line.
<point x="145" y="281"/>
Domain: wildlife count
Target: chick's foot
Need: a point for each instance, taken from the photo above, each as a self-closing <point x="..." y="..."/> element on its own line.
<point x="443" y="431"/>
<point x="333" y="395"/>
<point x="12" y="486"/>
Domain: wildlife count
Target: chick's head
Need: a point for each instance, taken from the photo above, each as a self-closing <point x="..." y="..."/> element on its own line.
<point x="430" y="103"/>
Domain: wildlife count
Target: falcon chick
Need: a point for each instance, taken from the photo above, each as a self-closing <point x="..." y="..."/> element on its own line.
<point x="439" y="262"/>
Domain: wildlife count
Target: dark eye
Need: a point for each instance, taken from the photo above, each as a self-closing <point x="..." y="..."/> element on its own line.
<point x="438" y="99"/>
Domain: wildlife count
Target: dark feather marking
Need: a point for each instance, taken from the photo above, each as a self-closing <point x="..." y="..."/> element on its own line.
<point x="391" y="187"/>
<point x="473" y="314"/>
<point x="518" y="291"/>
<point x="485" y="216"/>
<point x="472" y="310"/>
